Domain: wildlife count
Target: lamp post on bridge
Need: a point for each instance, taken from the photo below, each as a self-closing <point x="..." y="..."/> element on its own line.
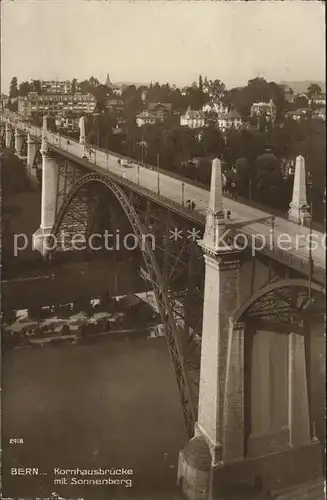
<point x="183" y="193"/>
<point x="138" y="175"/>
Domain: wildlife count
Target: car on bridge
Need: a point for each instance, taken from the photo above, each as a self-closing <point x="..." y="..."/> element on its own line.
<point x="126" y="163"/>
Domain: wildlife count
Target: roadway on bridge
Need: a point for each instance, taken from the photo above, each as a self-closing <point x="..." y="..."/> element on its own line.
<point x="297" y="248"/>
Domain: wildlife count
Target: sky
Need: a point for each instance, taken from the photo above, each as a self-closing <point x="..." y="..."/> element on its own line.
<point x="165" y="41"/>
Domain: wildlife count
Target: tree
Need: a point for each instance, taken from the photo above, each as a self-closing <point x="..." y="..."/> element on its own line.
<point x="313" y="90"/>
<point x="300" y="102"/>
<point x="268" y="176"/>
<point x="13" y="93"/>
<point x="200" y="82"/>
<point x="259" y="90"/>
<point x="133" y="103"/>
<point x="24" y="88"/>
<point x="85" y="87"/>
<point x="217" y="88"/>
<point x="36" y="84"/>
<point x="211" y="143"/>
<point x="94" y="82"/>
<point x="13" y="88"/>
<point x="239" y="99"/>
<point x="278" y="97"/>
<point x="195" y="98"/>
<point x="244" y="176"/>
<point x="74" y="85"/>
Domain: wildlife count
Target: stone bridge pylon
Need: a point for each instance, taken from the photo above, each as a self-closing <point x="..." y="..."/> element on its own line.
<point x="253" y="431"/>
<point x="50" y="173"/>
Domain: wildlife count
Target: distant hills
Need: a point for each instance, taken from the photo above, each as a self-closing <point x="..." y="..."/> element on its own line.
<point x="301" y="87"/>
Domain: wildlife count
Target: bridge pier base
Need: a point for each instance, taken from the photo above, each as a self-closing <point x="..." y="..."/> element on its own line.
<point x="50" y="172"/>
<point x="19" y="139"/>
<point x="8" y="135"/>
<point x="42" y="242"/>
<point x="31" y="152"/>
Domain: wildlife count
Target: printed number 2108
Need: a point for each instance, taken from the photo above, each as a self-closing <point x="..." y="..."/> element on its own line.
<point x="16" y="441"/>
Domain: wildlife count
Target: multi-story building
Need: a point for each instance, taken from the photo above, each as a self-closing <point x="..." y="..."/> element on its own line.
<point x="320" y="114"/>
<point x="267" y="109"/>
<point x="160" y="110"/>
<point x="58" y="87"/>
<point x="229" y="120"/>
<point x="215" y="107"/>
<point x="193" y="119"/>
<point x="298" y="114"/>
<point x="318" y="101"/>
<point x="145" y="118"/>
<point x="56" y="104"/>
<point x="114" y="105"/>
<point x="70" y="123"/>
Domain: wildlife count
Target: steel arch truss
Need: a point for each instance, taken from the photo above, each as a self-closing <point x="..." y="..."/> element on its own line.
<point x="37" y="160"/>
<point x="182" y="268"/>
<point x="285" y="305"/>
<point x="178" y="256"/>
<point x="174" y="334"/>
<point x="68" y="174"/>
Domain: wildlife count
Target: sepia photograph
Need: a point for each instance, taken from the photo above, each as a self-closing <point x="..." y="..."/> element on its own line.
<point x="163" y="241"/>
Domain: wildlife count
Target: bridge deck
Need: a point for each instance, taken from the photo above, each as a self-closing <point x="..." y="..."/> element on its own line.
<point x="290" y="241"/>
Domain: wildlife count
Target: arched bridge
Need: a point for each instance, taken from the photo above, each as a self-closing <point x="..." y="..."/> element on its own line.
<point x="248" y="312"/>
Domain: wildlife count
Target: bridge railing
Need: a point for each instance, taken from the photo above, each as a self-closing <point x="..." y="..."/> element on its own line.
<point x="296" y="262"/>
<point x="245" y="201"/>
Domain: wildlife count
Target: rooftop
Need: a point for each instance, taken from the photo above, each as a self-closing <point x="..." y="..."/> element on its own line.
<point x="264" y="104"/>
<point x="193" y="114"/>
<point x="146" y="114"/>
<point x="154" y="106"/>
<point x="319" y="97"/>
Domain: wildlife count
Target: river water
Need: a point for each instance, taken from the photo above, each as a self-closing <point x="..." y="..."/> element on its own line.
<point x="109" y="404"/>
